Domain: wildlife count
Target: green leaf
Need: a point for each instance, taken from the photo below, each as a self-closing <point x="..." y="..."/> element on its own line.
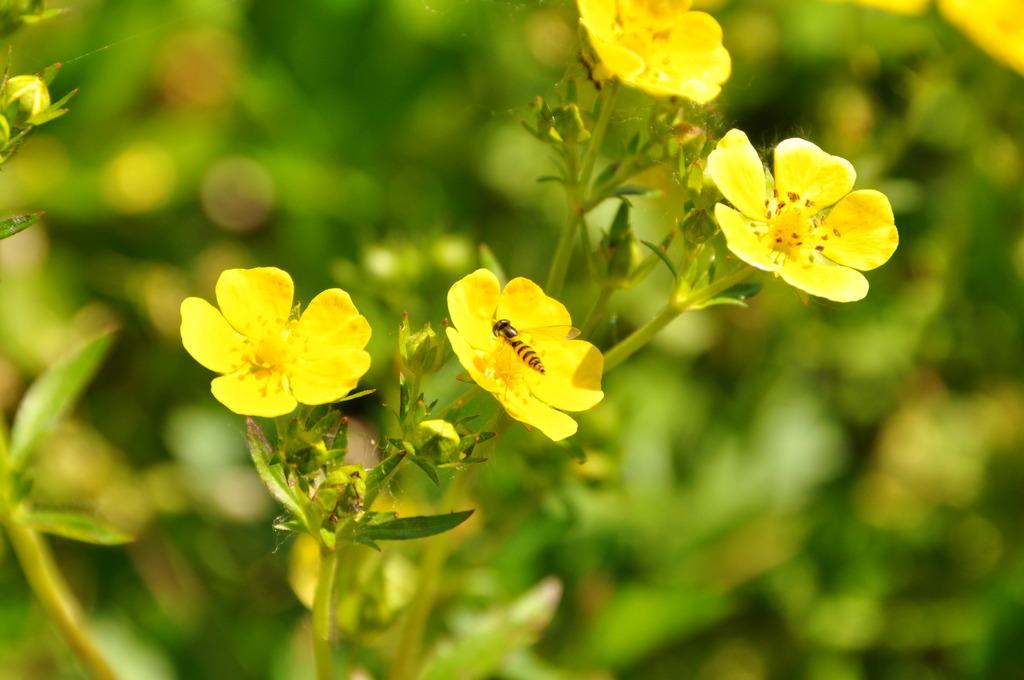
<point x="350" y="397"/>
<point x="481" y="649"/>
<point x="737" y="295"/>
<point x="575" y="451"/>
<point x="427" y="467"/>
<point x="664" y="258"/>
<point x="406" y="528"/>
<point x="71" y="525"/>
<point x="272" y="476"/>
<point x="52" y="395"/>
<point x="379" y="476"/>
<point x="13" y="225"/>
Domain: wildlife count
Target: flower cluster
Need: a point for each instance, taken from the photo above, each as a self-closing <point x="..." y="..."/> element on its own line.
<point x="273" y="359"/>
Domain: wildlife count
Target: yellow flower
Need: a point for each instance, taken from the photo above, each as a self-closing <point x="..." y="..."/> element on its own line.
<point x="788" y="230"/>
<point x="272" y="360"/>
<point x="568" y="375"/>
<point x="996" y="26"/>
<point x="659" y="46"/>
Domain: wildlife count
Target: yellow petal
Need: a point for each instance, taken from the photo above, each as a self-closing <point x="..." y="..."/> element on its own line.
<point x="736" y="169"/>
<point x="255" y="301"/>
<point x="327" y="379"/>
<point x="572" y="381"/>
<point x="862" y="231"/>
<point x="598" y="16"/>
<point x="743" y="241"/>
<point x="471" y="304"/>
<point x="473" y="361"/>
<point x="209" y="338"/>
<point x="620" y="60"/>
<point x="804" y="169"/>
<point x="329" y="325"/>
<point x="526" y="409"/>
<point x="254" y="394"/>
<point x="834" y="282"/>
<point x="526" y="306"/>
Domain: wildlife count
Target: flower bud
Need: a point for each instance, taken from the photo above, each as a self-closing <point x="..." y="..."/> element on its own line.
<point x="341" y="493"/>
<point x="699" y="226"/>
<point x="31" y="95"/>
<point x="423" y="352"/>
<point x="437" y="441"/>
<point x="620" y="254"/>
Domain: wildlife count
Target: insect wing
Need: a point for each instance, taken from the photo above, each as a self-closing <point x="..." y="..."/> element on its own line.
<point x="550" y="333"/>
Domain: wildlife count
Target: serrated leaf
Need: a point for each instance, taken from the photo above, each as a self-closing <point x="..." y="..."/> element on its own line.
<point x="13" y="225"/>
<point x="52" y="395"/>
<point x="272" y="476"/>
<point x="407" y="528"/>
<point x="72" y="525"/>
<point x="480" y="650"/>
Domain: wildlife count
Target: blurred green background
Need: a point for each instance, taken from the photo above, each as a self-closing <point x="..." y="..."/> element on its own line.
<point x="800" y="489"/>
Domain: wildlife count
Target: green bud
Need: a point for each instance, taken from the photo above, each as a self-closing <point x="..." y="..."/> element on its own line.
<point x="423" y="352"/>
<point x="699" y="226"/>
<point x="620" y="254"/>
<point x="437" y="441"/>
<point x="31" y="95"/>
<point x="341" y="493"/>
<point x="569" y="124"/>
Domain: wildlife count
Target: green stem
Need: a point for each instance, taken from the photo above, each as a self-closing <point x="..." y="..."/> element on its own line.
<point x="56" y="598"/>
<point x="597" y="313"/>
<point x="577" y="183"/>
<point x="611" y="92"/>
<point x="563" y="251"/>
<point x="432" y="564"/>
<point x="641" y="336"/>
<point x="322" y="652"/>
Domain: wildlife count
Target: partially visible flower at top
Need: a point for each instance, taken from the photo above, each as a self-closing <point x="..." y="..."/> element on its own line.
<point x="273" y="359"/>
<point x="571" y="377"/>
<point x="788" y="230"/>
<point x="659" y="46"/>
<point x="897" y="6"/>
<point x="996" y="26"/>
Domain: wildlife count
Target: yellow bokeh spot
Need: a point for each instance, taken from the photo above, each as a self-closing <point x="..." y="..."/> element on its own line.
<point x="139" y="179"/>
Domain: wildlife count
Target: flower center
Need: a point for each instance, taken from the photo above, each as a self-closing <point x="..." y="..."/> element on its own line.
<point x="270" y="354"/>
<point x="794" y="227"/>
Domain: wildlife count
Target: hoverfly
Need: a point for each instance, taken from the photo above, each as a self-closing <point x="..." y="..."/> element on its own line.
<point x="504" y="329"/>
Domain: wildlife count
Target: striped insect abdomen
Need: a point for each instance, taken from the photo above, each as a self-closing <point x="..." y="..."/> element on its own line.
<point x="503" y="328"/>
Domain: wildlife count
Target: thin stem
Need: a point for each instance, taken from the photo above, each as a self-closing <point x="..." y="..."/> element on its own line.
<point x="577" y="185"/>
<point x="563" y="251"/>
<point x="321" y="627"/>
<point x="431" y="568"/>
<point x="611" y="92"/>
<point x="641" y="336"/>
<point x="56" y="598"/>
<point x="597" y="313"/>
